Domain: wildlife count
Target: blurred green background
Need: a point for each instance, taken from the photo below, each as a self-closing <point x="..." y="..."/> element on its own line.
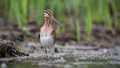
<point x="76" y="12"/>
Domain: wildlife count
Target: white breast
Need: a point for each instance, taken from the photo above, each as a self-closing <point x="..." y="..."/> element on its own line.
<point x="47" y="40"/>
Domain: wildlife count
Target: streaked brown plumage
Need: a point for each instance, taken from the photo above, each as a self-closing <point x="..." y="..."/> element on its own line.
<point x="47" y="33"/>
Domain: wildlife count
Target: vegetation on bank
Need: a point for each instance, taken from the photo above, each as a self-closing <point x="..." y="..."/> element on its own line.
<point x="91" y="11"/>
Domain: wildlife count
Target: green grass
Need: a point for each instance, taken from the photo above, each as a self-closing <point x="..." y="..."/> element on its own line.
<point x="115" y="11"/>
<point x="78" y="30"/>
<point x="90" y="10"/>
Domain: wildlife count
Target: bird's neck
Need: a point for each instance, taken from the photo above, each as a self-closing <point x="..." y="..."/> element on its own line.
<point x="46" y="21"/>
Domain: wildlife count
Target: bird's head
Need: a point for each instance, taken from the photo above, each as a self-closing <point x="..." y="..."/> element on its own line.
<point x="47" y="14"/>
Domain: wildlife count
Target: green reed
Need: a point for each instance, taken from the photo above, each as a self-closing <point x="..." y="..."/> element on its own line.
<point x="90" y="10"/>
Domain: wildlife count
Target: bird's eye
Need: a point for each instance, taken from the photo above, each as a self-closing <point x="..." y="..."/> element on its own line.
<point x="46" y="15"/>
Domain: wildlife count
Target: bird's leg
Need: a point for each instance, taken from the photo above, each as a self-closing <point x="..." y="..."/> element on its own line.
<point x="48" y="50"/>
<point x="43" y="50"/>
<point x="52" y="50"/>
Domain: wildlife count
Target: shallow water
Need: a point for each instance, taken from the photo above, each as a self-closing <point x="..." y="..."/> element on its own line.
<point x="67" y="58"/>
<point x="44" y="65"/>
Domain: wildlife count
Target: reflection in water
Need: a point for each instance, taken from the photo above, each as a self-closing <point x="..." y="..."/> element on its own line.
<point x="36" y="65"/>
<point x="80" y="59"/>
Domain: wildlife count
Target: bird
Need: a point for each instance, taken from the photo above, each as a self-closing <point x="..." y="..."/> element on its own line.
<point x="47" y="33"/>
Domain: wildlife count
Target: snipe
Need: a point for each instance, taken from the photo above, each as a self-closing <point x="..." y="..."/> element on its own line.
<point x="47" y="33"/>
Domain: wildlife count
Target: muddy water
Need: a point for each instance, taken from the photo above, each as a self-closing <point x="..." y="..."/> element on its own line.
<point x="67" y="58"/>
